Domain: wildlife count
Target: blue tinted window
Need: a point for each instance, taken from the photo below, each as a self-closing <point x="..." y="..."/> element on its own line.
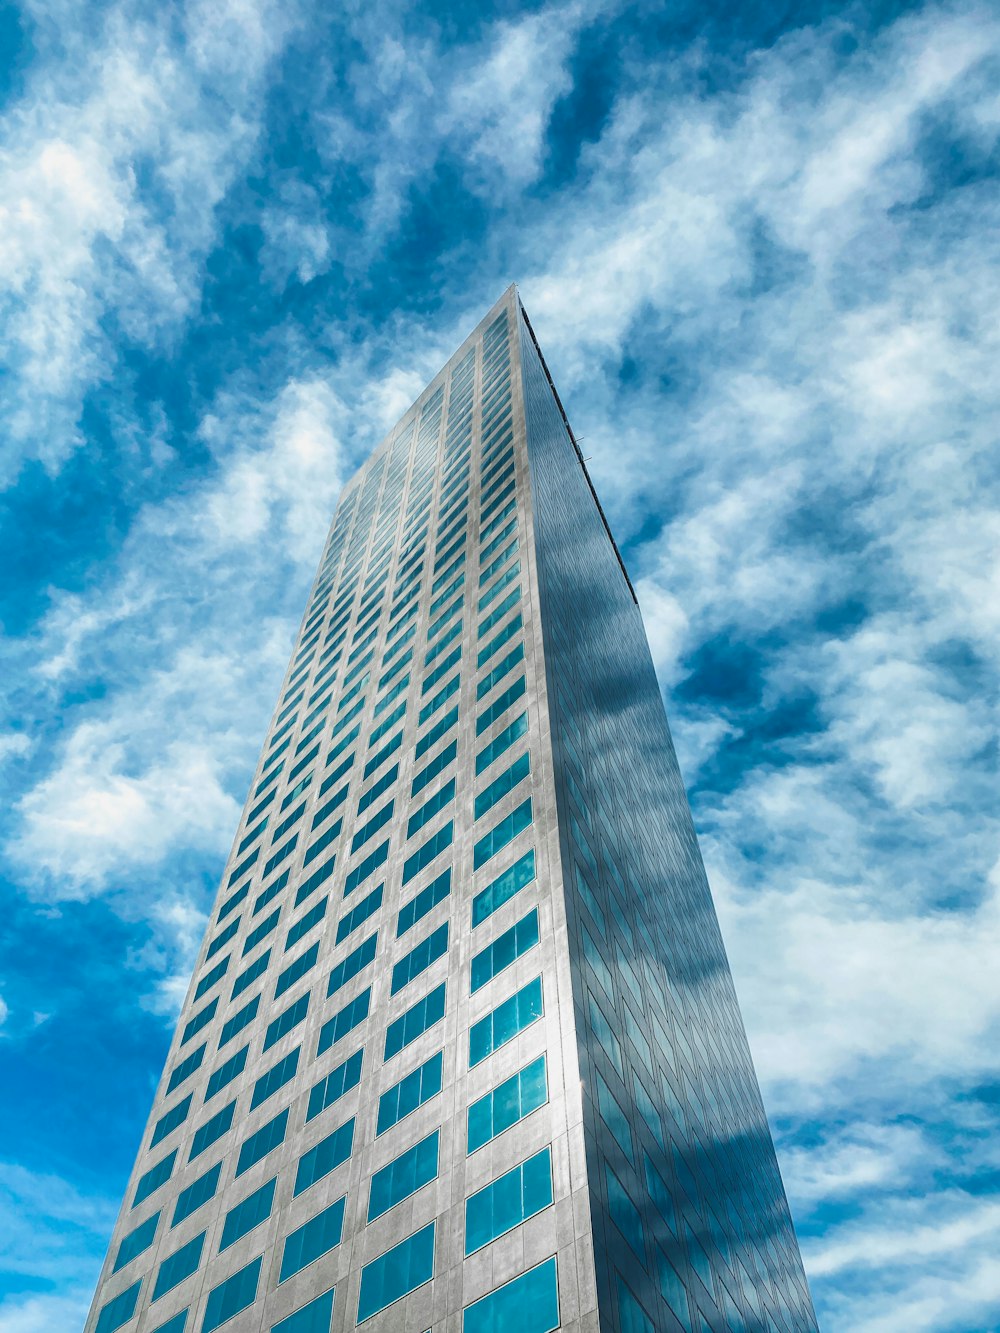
<point x="659" y="1194"/>
<point x="502" y="834"/>
<point x="299" y="929"/>
<point x="212" y="1130"/>
<point x="614" y="1117"/>
<point x="509" y="1201"/>
<point x="349" y="967"/>
<point x="624" y="1213"/>
<point x="502" y="743"/>
<point x="400" y="1270"/>
<point x="501" y="786"/>
<point x="503" y="888"/>
<point x="276" y="1077"/>
<point x="119" y="1311"/>
<point x="672" y="1288"/>
<point x="411" y="965"/>
<point x="231" y="1296"/>
<point x="315" y="1237"/>
<point x="287" y="1020"/>
<point x="197" y="1193"/>
<point x="436" y="766"/>
<point x="312" y="1318"/>
<point x="508" y="1103"/>
<point x="247" y="1214"/>
<point x="325" y="1157"/>
<point x="505" y="1022"/>
<point x="530" y="1304"/>
<point x="296" y="970"/>
<point x="359" y="914"/>
<point x="264" y="1141"/>
<point x="419" y="1086"/>
<point x="521" y="937"/>
<point x="432" y="848"/>
<point x="250" y="975"/>
<point x="137" y="1240"/>
<point x="417" y="1019"/>
<point x="633" y="1317"/>
<point x="155" y="1177"/>
<point x="261" y="931"/>
<point x="345" y="1020"/>
<point x="366" y="867"/>
<point x="226" y="1072"/>
<point x="431" y="737"/>
<point x="168" y="1123"/>
<point x="186" y="1068"/>
<point x="330" y="1089"/>
<point x="498" y="612"/>
<point x="174" y="1325"/>
<point x="427" y="899"/>
<point x="200" y="1020"/>
<point x="177" y="1266"/>
<point x="499" y="706"/>
<point x="430" y="808"/>
<point x="505" y="665"/>
<point x="403" y="1176"/>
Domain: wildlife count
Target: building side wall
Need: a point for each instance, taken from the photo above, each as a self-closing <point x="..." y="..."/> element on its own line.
<point x="406" y="562"/>
<point x="691" y="1225"/>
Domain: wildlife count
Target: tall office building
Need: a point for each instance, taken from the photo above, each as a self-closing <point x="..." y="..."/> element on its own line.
<point x="462" y="1051"/>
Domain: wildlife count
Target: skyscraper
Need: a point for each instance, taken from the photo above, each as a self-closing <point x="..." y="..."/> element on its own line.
<point x="461" y="1051"/>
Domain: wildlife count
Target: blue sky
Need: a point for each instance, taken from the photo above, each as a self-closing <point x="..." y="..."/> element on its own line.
<point x="759" y="247"/>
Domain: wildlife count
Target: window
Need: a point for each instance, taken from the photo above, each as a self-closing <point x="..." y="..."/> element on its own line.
<point x="659" y="1193"/>
<point x="231" y="1296"/>
<point x="317" y="1236"/>
<point x="419" y="1086"/>
<point x="312" y="1318"/>
<point x="349" y="967"/>
<point x="501" y="669"/>
<point x="288" y="1019"/>
<point x="226" y="1072"/>
<point x="499" y="706"/>
<point x="258" y="1145"/>
<point x="417" y="1019"/>
<point x="521" y="937"/>
<point x="438" y="701"/>
<point x="431" y="737"/>
<point x="632" y="1316"/>
<point x="196" y="1194"/>
<point x="508" y="1201"/>
<point x="432" y="848"/>
<point x="672" y="1288"/>
<point x="261" y="901"/>
<point x="299" y="929"/>
<point x="251" y="974"/>
<point x="186" y="1068"/>
<point x="502" y="834"/>
<point x="174" y="1325"/>
<point x="199" y="1021"/>
<point x="136" y="1242"/>
<point x="396" y="1273"/>
<point x="365" y="868"/>
<point x="530" y="1303"/>
<point x="155" y="1177"/>
<point x="374" y="825"/>
<point x="431" y="808"/>
<point x="212" y="1130"/>
<point x="313" y="882"/>
<point x="425" y="901"/>
<point x="320" y="844"/>
<point x="505" y="1022"/>
<point x="614" y="1117"/>
<point x="168" y="1123"/>
<point x="378" y="759"/>
<point x="260" y="932"/>
<point x="605" y="1035"/>
<point x="339" y="1081"/>
<point x="239" y="1021"/>
<point x="625" y="1214"/>
<point x="359" y="914"/>
<point x="325" y="1157"/>
<point x="498" y="612"/>
<point x="344" y="1021"/>
<point x="276" y="1077"/>
<point x="177" y="1266"/>
<point x="119" y="1311"/>
<point x="404" y="1176"/>
<point x="508" y="1103"/>
<point x="495" y="644"/>
<point x="503" y="742"/>
<point x="294" y="971"/>
<point x="247" y="1214"/>
<point x="503" y="888"/>
<point x="377" y="789"/>
<point x="420" y="958"/>
<point x="502" y="785"/>
<point x="436" y="766"/>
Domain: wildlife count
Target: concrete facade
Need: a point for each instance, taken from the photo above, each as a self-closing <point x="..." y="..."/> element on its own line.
<point x="452" y="613"/>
